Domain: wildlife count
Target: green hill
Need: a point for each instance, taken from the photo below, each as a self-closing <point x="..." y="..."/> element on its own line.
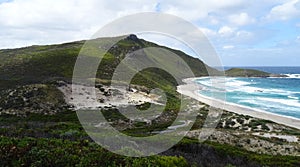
<point x="24" y="70"/>
<point x="40" y="64"/>
<point x="239" y="72"/>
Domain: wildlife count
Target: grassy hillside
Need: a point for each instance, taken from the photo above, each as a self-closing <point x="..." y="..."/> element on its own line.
<point x="36" y="64"/>
<point x="239" y="72"/>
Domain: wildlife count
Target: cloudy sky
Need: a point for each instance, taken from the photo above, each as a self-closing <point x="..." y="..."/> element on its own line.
<point x="244" y="33"/>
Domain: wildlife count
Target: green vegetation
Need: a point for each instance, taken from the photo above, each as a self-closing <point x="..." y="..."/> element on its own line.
<point x="41" y="130"/>
<point x="262" y="159"/>
<point x="58" y="152"/>
<point x="39" y="142"/>
<point x="36" y="98"/>
<point x="36" y="64"/>
<point x="238" y="72"/>
<point x="260" y="122"/>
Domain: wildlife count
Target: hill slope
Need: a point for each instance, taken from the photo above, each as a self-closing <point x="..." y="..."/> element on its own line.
<point x="22" y="69"/>
<point x="39" y="64"/>
<point x="239" y="72"/>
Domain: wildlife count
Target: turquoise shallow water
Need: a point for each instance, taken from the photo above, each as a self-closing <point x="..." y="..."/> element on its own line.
<point x="276" y="95"/>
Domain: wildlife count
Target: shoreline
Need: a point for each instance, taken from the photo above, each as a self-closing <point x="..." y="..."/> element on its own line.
<point x="190" y="89"/>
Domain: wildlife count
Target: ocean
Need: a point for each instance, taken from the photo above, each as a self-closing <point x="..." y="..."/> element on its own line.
<point x="276" y="95"/>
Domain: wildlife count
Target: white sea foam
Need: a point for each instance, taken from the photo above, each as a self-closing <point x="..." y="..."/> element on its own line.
<point x="256" y="90"/>
<point x="230" y="84"/>
<point x="249" y="94"/>
<point x="233" y="84"/>
<point x="293" y="75"/>
<point x="287" y="102"/>
<point x="250" y="89"/>
<point x="278" y="92"/>
<point x="265" y="105"/>
<point x="236" y="83"/>
<point x="252" y="101"/>
<point x="293" y="97"/>
<point x="213" y="84"/>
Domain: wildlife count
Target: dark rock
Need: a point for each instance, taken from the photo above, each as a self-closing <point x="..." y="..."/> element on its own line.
<point x="101" y="100"/>
<point x="132" y="37"/>
<point x="98" y="86"/>
<point x="278" y="75"/>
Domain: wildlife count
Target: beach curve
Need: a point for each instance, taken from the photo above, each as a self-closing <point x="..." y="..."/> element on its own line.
<point x="190" y="89"/>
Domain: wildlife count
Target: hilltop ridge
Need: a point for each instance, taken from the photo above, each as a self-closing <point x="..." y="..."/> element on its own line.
<point x="45" y="63"/>
<point x="242" y="72"/>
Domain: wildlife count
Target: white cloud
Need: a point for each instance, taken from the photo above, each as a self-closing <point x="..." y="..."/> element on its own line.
<point x="227" y="36"/>
<point x="208" y="32"/>
<point x="44" y="22"/>
<point x="199" y="9"/>
<point x="214" y="21"/>
<point x="285" y="11"/>
<point x="226" y="31"/>
<point x="28" y="22"/>
<point x="244" y="34"/>
<point x="241" y="19"/>
<point x="228" y="47"/>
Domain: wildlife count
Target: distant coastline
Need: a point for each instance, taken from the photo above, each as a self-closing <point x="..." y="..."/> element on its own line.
<point x="190" y="89"/>
<point x="269" y="69"/>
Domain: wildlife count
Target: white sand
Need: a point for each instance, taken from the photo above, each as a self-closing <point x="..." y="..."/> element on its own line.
<point x="190" y="89"/>
<point x="85" y="97"/>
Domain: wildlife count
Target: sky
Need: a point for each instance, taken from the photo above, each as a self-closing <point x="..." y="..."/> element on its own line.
<point x="243" y="33"/>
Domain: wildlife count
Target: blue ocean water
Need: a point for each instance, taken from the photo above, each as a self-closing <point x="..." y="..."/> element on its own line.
<point x="276" y="95"/>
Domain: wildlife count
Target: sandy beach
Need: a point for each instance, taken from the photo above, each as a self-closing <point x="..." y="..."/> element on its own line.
<point x="190" y="89"/>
